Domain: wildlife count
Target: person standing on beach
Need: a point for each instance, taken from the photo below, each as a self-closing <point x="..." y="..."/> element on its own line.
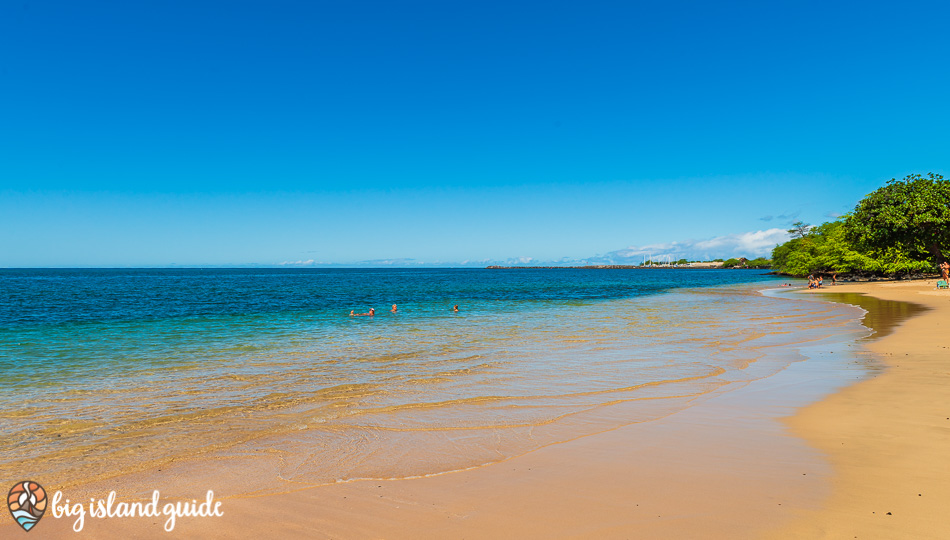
<point x="945" y="270"/>
<point x="834" y="278"/>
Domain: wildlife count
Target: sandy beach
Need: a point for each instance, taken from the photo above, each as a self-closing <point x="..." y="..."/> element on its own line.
<point x="866" y="461"/>
<point x="887" y="438"/>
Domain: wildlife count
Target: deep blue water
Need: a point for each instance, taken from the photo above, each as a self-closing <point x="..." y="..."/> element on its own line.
<point x="51" y="296"/>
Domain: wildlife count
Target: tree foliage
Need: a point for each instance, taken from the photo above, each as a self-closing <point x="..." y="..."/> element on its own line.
<point x="911" y="215"/>
<point x="901" y="228"/>
<point x="827" y="250"/>
<point x="799" y="229"/>
<point x="761" y="262"/>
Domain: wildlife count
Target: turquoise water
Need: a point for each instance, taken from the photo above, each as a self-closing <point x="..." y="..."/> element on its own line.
<point x="59" y="324"/>
<point x="105" y="372"/>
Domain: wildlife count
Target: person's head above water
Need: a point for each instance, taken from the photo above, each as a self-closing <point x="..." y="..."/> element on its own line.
<point x="394" y="308"/>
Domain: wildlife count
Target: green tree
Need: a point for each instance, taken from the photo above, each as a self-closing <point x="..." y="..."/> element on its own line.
<point x="800" y="263"/>
<point x="799" y="229"/>
<point x="730" y="263"/>
<point x="827" y="249"/>
<point x="832" y="252"/>
<point x="911" y="216"/>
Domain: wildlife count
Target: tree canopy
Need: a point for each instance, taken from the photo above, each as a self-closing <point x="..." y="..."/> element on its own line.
<point x="901" y="228"/>
<point x="912" y="215"/>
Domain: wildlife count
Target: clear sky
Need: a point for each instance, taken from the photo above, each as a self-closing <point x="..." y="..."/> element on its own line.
<point x="192" y="133"/>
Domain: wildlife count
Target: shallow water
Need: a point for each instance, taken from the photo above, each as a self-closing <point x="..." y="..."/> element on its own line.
<point x="104" y="372"/>
<point x="881" y="316"/>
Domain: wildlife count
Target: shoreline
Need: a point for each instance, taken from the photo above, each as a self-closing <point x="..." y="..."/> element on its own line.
<point x="626" y="267"/>
<point x="888" y="437"/>
<point x="725" y="467"/>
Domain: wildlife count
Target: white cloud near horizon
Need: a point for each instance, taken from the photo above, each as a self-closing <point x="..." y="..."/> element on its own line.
<point x="748" y="244"/>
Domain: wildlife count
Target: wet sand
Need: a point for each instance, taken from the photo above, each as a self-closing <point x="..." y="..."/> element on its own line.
<point x="887" y="438"/>
<point x="723" y="468"/>
<point x="726" y="467"/>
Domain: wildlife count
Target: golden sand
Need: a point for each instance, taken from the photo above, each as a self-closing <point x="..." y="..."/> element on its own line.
<point x="888" y="438"/>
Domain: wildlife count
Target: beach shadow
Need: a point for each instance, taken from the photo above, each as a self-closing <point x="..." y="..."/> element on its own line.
<point x="882" y="316"/>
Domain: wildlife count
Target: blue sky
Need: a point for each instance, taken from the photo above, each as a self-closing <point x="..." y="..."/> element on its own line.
<point x="207" y="133"/>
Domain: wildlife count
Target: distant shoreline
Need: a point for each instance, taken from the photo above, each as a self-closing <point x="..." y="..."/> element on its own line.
<point x="619" y="267"/>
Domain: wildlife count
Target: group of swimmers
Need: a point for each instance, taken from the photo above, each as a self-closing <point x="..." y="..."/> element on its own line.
<point x="372" y="311"/>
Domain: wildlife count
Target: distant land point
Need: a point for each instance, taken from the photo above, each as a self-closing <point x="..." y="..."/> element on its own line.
<point x="620" y="267"/>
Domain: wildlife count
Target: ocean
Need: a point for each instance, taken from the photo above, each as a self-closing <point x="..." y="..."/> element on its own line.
<point x="110" y="372"/>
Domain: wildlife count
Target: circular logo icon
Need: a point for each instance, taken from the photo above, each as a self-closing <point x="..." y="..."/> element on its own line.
<point x="27" y="502"/>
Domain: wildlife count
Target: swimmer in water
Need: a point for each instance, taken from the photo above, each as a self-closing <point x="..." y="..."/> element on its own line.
<point x="394" y="308"/>
<point x="352" y="314"/>
<point x="370" y="313"/>
<point x="455" y="308"/>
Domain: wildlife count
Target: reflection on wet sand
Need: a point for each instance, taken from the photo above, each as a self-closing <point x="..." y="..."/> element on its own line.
<point x="882" y="316"/>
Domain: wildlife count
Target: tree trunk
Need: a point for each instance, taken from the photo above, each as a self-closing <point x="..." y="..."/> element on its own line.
<point x="937" y="253"/>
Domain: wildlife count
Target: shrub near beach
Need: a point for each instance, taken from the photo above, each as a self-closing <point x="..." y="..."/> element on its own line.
<point x="901" y="228"/>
